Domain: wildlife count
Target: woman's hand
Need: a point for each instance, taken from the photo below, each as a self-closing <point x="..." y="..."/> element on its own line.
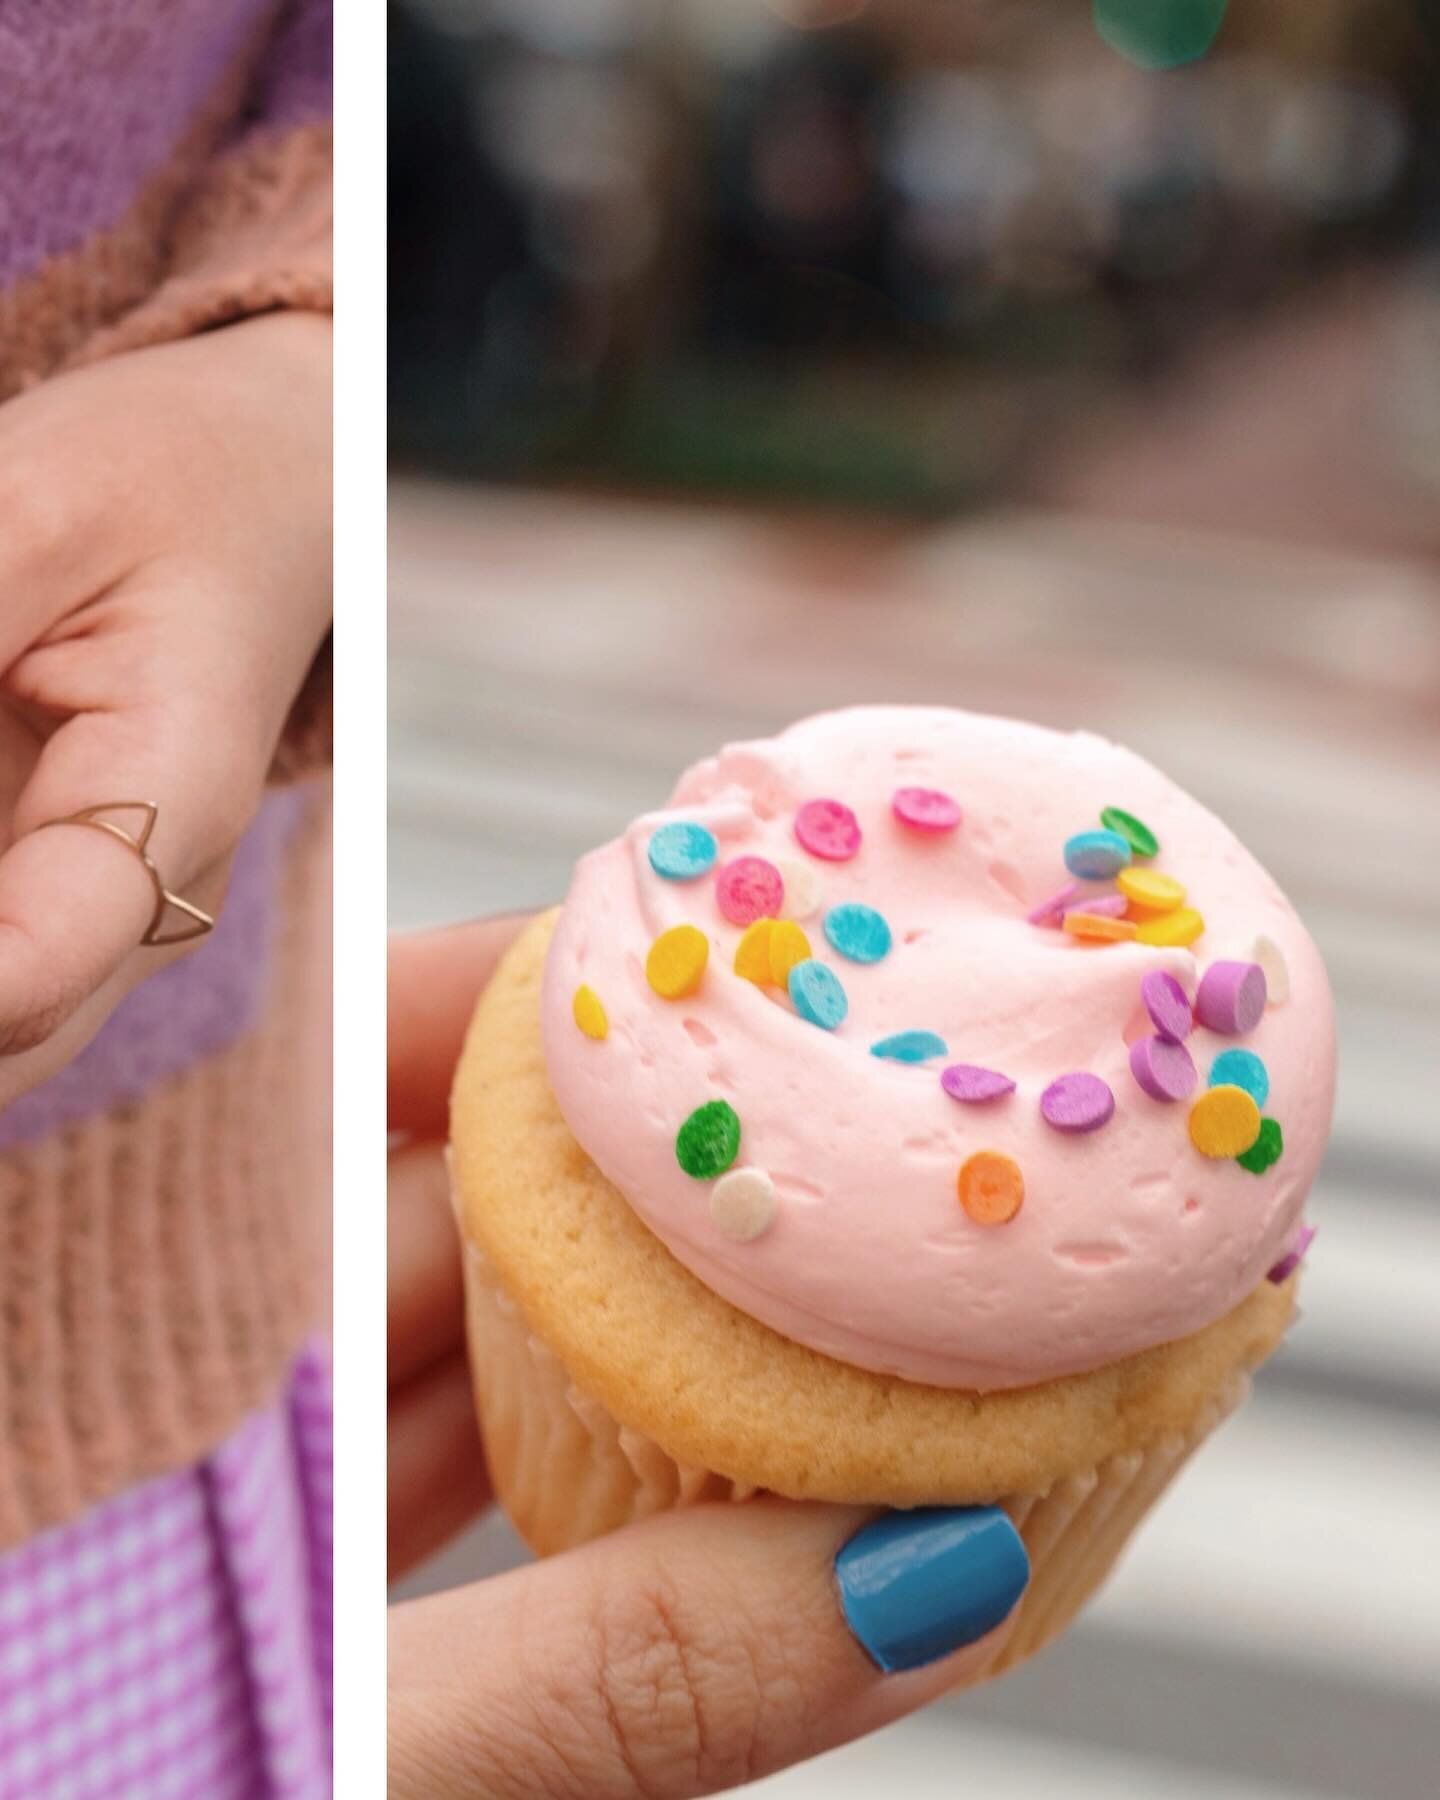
<point x="675" y="1658"/>
<point x="164" y="586"/>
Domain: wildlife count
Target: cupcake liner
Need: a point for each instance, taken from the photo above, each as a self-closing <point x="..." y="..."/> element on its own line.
<point x="566" y="1470"/>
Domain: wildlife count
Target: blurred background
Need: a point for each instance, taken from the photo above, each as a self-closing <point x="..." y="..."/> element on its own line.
<point x="1073" y="360"/>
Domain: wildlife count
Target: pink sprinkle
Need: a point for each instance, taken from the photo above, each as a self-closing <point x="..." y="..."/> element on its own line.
<point x="971" y="1083"/>
<point x="1165" y="1001"/>
<point x="927" y="809"/>
<point x="1290" y="1261"/>
<point x="749" y="888"/>
<point x="828" y="829"/>
<point x="1162" y="1068"/>
<point x="1231" y="997"/>
<point x="1077" y="1102"/>
<point x="1049" y="912"/>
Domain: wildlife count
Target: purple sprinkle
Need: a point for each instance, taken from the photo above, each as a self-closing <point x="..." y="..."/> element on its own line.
<point x="1077" y="1102"/>
<point x="1049" y="911"/>
<point x="1290" y="1261"/>
<point x="1163" y="1068"/>
<point x="1166" y="1004"/>
<point x="969" y="1082"/>
<point x="1231" y="997"/>
<point x="1105" y="906"/>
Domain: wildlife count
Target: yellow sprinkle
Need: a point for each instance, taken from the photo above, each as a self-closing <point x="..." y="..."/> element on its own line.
<point x="1224" y="1121"/>
<point x="676" y="961"/>
<point x="589" y="1013"/>
<point x="788" y="946"/>
<point x="1098" y="925"/>
<point x="752" y="953"/>
<point x="1182" y="926"/>
<point x="1150" y="889"/>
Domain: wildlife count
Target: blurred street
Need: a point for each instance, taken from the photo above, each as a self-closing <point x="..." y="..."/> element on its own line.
<point x="555" y="661"/>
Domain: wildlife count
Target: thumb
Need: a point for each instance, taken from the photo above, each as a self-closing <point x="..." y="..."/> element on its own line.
<point x="695" y="1651"/>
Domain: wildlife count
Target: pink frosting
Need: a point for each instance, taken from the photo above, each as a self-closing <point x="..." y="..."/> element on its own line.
<point x="1127" y="1238"/>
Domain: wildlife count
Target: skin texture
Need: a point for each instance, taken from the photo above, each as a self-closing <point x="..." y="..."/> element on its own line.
<point x="164" y="587"/>
<point x="675" y="1658"/>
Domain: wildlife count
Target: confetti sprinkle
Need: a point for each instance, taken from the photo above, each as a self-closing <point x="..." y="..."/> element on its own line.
<point x="991" y="1187"/>
<point x="1290" y="1261"/>
<point x="1137" y="835"/>
<point x="1098" y="928"/>
<point x="589" y="1013"/>
<point x="925" y="809"/>
<point x="1163" y="1068"/>
<point x="707" y="1143"/>
<point x="788" y="945"/>
<point x="828" y="829"/>
<point x="817" y="994"/>
<point x="802" y="888"/>
<point x="1164" y="999"/>
<point x="1271" y="959"/>
<point x="1096" y="855"/>
<point x="749" y="888"/>
<point x="1048" y="911"/>
<point x="1172" y="930"/>
<point x="1242" y="1069"/>
<point x="909" y="1046"/>
<point x="1268" y="1148"/>
<point x="680" y="850"/>
<point x="857" y="931"/>
<point x="1103" y="906"/>
<point x="1231" y="997"/>
<point x="1149" y="890"/>
<point x="1224" y="1121"/>
<point x="1077" y="1102"/>
<point x="676" y="961"/>
<point x="742" y="1204"/>
<point x="973" y="1085"/>
<point x="752" y="953"/>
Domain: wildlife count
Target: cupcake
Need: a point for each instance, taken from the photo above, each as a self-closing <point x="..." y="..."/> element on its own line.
<point x="919" y="1110"/>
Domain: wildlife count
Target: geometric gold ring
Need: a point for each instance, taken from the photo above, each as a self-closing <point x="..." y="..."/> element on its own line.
<point x="200" y="922"/>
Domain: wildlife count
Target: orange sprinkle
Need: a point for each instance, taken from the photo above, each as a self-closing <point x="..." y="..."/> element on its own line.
<point x="1099" y="926"/>
<point x="1224" y="1121"/>
<point x="589" y="1013"/>
<point x="991" y="1187"/>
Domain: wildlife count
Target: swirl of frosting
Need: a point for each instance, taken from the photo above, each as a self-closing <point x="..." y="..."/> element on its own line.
<point x="1127" y="1237"/>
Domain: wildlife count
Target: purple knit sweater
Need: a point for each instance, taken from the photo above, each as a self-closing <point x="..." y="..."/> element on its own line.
<point x="165" y="169"/>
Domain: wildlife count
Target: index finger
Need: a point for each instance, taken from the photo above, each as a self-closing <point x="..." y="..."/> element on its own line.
<point x="435" y="978"/>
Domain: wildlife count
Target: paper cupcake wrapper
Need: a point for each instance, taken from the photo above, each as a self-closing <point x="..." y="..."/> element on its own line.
<point x="566" y="1470"/>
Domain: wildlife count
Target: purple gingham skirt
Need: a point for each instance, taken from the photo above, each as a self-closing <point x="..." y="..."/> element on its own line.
<point x="174" y="1643"/>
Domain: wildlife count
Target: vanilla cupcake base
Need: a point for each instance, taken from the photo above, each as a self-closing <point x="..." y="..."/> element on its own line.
<point x="612" y="1384"/>
<point x="566" y="1470"/>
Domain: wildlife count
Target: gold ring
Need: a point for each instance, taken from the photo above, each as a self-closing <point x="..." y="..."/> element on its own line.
<point x="200" y="922"/>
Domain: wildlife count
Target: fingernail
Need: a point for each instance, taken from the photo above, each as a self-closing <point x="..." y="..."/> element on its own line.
<point x="916" y="1585"/>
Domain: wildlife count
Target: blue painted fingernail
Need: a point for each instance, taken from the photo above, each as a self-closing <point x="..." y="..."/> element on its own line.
<point x="916" y="1585"/>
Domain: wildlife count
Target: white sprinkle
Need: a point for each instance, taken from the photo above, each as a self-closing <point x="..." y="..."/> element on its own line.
<point x="1271" y="959"/>
<point x="802" y="889"/>
<point x="742" y="1203"/>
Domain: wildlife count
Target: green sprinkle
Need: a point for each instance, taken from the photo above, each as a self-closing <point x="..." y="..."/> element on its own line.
<point x="707" y="1142"/>
<point x="1159" y="34"/>
<point x="1136" y="833"/>
<point x="1265" y="1150"/>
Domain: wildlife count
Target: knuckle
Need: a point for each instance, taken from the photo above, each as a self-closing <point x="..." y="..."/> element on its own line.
<point x="679" y="1688"/>
<point x="35" y="1025"/>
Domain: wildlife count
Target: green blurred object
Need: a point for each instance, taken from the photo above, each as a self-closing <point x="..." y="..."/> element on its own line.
<point x="1159" y="34"/>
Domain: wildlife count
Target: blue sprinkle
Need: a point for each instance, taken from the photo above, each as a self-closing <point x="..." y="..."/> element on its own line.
<point x="909" y="1046"/>
<point x="681" y="851"/>
<point x="1096" y="855"/>
<point x="1242" y="1069"/>
<point x="857" y="931"/>
<point x="817" y="993"/>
